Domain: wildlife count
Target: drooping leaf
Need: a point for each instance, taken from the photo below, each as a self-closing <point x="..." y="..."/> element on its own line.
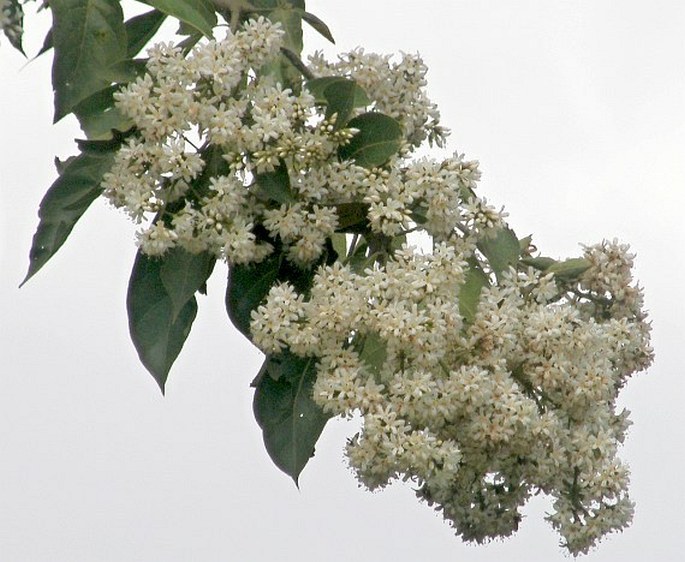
<point x="157" y="333"/>
<point x="291" y="421"/>
<point x="65" y="201"/>
<point x="569" y="269"/>
<point x="196" y="13"/>
<point x="89" y="37"/>
<point x="318" y="25"/>
<point x="379" y="137"/>
<point x="183" y="274"/>
<point x="502" y="250"/>
<point x="275" y="186"/>
<point x="469" y="292"/>
<point x="248" y="285"/>
<point x="140" y="29"/>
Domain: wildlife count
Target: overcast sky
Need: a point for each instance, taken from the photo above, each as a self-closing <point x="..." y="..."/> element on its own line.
<point x="576" y="110"/>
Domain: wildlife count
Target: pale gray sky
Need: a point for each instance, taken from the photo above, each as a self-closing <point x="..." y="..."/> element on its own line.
<point x="576" y="110"/>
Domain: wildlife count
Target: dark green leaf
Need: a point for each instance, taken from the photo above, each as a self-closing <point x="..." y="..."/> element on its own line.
<point x="318" y="25"/>
<point x="157" y="333"/>
<point x="183" y="274"/>
<point x="189" y="42"/>
<point x="47" y="44"/>
<point x="291" y="421"/>
<point x="196" y="13"/>
<point x="352" y="217"/>
<point x="275" y="186"/>
<point x="378" y="139"/>
<point x="106" y="145"/>
<point x="89" y="37"/>
<point x="318" y="86"/>
<point x="502" y="250"/>
<point x="140" y="29"/>
<point x="469" y="293"/>
<point x="569" y="269"/>
<point x="248" y="285"/>
<point x="64" y="203"/>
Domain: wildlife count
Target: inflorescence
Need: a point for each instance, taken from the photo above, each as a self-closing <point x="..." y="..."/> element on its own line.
<point x="479" y="411"/>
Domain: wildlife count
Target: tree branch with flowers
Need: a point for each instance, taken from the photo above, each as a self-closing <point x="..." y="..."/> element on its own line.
<point x="376" y="283"/>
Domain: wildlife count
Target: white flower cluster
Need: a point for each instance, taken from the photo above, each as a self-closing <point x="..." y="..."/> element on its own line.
<point x="481" y="400"/>
<point x="483" y="414"/>
<point x="396" y="87"/>
<point x="188" y="110"/>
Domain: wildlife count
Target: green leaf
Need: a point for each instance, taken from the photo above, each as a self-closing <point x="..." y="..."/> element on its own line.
<point x="569" y="269"/>
<point x="318" y="86"/>
<point x="339" y="243"/>
<point x="13" y="23"/>
<point x="379" y="137"/>
<point x="157" y="333"/>
<point x="362" y="258"/>
<point x="189" y="42"/>
<point x="248" y="285"/>
<point x="196" y="13"/>
<point x="374" y="351"/>
<point x="318" y="25"/>
<point x="524" y="243"/>
<point x="140" y="29"/>
<point x="98" y="115"/>
<point x="340" y="97"/>
<point x="127" y="70"/>
<point x="64" y="203"/>
<point x="282" y="69"/>
<point x="89" y="37"/>
<point x="469" y="292"/>
<point x="47" y="44"/>
<point x="183" y="274"/>
<point x="540" y="262"/>
<point x="275" y="186"/>
<point x="106" y="145"/>
<point x="291" y="421"/>
<point x="502" y="250"/>
<point x="352" y="217"/>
